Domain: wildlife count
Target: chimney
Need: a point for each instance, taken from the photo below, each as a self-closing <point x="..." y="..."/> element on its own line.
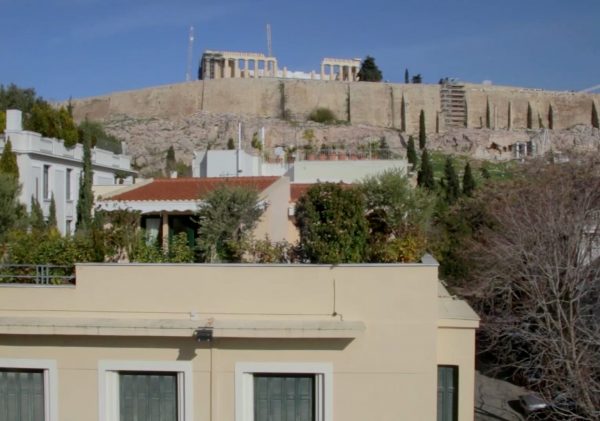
<point x="14" y="120"/>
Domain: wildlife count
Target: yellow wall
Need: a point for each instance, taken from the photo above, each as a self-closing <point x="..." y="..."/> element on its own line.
<point x="386" y="372"/>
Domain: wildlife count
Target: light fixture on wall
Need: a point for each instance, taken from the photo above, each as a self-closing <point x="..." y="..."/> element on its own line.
<point x="204" y="334"/>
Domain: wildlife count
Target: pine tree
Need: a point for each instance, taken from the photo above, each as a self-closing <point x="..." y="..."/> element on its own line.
<point x="422" y="134"/>
<point x="529" y="117"/>
<point x="595" y="116"/>
<point x="451" y="183"/>
<point x="36" y="216"/>
<point x="86" y="197"/>
<point x="425" y="176"/>
<point x="411" y="153"/>
<point x="8" y="161"/>
<point x="550" y="117"/>
<point x="468" y="181"/>
<point x="369" y="72"/>
<point x="406" y="77"/>
<point x="171" y="164"/>
<point x="52" y="222"/>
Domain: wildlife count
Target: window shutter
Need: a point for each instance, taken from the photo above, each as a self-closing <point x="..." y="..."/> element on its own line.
<point x="22" y="395"/>
<point x="148" y="396"/>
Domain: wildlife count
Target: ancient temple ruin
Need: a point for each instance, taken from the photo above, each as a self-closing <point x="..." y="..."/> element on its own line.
<point x="231" y="64"/>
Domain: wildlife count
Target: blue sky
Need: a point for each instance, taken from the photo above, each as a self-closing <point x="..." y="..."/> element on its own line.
<point x="83" y="48"/>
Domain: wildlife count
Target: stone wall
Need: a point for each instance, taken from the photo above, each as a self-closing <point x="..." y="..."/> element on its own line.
<point x="374" y="104"/>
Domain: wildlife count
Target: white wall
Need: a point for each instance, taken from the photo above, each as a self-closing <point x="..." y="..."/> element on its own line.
<point x="34" y="152"/>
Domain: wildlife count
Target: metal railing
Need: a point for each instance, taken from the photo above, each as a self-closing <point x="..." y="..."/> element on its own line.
<point x="37" y="274"/>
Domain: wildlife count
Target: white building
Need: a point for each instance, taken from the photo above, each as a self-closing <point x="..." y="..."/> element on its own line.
<point x="238" y="163"/>
<point x="47" y="168"/>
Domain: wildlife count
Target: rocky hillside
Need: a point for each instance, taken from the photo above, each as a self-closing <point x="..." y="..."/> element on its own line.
<point x="148" y="139"/>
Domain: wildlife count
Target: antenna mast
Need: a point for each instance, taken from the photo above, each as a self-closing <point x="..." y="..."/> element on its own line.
<point x="269" y="45"/>
<point x="188" y="74"/>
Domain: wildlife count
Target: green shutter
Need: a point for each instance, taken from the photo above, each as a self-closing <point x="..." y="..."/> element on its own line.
<point x="284" y="397"/>
<point x="21" y="395"/>
<point x="148" y="396"/>
<point x="447" y="399"/>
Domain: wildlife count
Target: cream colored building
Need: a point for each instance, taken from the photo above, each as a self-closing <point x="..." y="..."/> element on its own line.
<point x="238" y="342"/>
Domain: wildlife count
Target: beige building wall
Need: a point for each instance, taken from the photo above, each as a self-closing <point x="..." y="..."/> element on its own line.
<point x="377" y="326"/>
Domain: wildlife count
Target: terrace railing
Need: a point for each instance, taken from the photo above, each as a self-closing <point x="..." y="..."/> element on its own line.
<point x="37" y="274"/>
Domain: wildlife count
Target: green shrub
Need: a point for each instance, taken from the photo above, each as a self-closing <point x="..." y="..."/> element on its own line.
<point x="322" y="115"/>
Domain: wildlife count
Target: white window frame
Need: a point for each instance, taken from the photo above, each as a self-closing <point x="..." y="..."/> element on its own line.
<point x="50" y="371"/>
<point x="108" y="385"/>
<point x="244" y="386"/>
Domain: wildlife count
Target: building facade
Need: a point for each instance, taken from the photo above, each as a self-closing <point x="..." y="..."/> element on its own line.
<point x="238" y="342"/>
<point x="49" y="169"/>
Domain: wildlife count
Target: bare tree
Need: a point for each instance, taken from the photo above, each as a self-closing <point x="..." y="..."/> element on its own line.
<point x="537" y="285"/>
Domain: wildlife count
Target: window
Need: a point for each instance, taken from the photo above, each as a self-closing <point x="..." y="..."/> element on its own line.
<point x="68" y="227"/>
<point x="283" y="392"/>
<point x="140" y="390"/>
<point x="46" y="182"/>
<point x="447" y="400"/>
<point x="28" y="390"/>
<point x="68" y="184"/>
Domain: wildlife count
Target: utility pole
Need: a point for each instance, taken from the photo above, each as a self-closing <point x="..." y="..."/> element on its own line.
<point x="269" y="45"/>
<point x="188" y="74"/>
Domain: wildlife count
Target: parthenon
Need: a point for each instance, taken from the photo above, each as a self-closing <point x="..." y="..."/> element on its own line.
<point x="231" y="64"/>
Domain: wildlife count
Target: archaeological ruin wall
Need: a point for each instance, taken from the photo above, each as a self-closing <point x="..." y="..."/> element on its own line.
<point x="376" y="104"/>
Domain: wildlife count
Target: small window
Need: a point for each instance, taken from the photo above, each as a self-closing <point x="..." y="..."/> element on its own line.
<point x="284" y="391"/>
<point x="68" y="180"/>
<point x="28" y="390"/>
<point x="145" y="390"/>
<point x="69" y="227"/>
<point x="46" y="182"/>
<point x="447" y="399"/>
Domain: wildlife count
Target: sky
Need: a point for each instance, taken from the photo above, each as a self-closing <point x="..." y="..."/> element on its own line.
<point x="82" y="48"/>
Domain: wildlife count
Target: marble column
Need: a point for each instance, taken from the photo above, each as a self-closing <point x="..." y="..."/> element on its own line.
<point x="226" y="73"/>
<point x="331" y="72"/>
<point x="255" y="68"/>
<point x="322" y="71"/>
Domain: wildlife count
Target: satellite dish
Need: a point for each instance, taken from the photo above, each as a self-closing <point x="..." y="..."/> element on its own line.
<point x="279" y="152"/>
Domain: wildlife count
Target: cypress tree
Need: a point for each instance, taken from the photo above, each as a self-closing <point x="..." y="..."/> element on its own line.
<point x="468" y="181"/>
<point x="411" y="153"/>
<point x="406" y="77"/>
<point x="231" y="143"/>
<point x="595" y="116"/>
<point x="36" y="216"/>
<point x="509" y="115"/>
<point x="171" y="164"/>
<point x="403" y="114"/>
<point x="529" y="116"/>
<point x="8" y="161"/>
<point x="488" y="117"/>
<point x="425" y="175"/>
<point x="550" y="117"/>
<point x="422" y="134"/>
<point x="52" y="222"/>
<point x="86" y="198"/>
<point x="451" y="183"/>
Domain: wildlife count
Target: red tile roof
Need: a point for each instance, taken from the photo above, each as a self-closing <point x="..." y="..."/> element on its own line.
<point x="298" y="190"/>
<point x="190" y="188"/>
